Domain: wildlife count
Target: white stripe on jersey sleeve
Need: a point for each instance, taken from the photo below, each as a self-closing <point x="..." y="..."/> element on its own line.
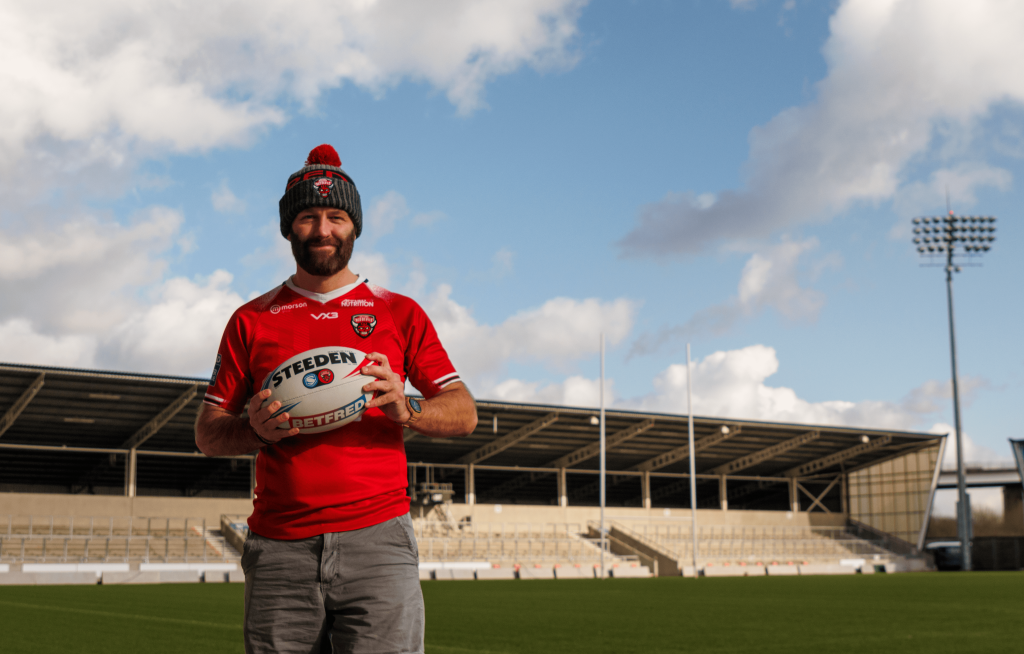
<point x="447" y="379"/>
<point x="216" y="399"/>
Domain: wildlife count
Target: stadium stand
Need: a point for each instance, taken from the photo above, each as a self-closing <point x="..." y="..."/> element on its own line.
<point x="535" y="550"/>
<point x="66" y="539"/>
<point x="520" y="492"/>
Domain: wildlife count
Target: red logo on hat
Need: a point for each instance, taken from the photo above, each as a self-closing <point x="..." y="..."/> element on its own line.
<point x="324" y="186"/>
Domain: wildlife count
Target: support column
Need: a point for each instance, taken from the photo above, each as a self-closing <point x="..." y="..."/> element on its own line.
<point x="132" y="467"/>
<point x="471" y="483"/>
<point x="845" y="498"/>
<point x="723" y="493"/>
<point x="252" y="478"/>
<point x="646" y="490"/>
<point x="794" y="497"/>
<point x="563" y="491"/>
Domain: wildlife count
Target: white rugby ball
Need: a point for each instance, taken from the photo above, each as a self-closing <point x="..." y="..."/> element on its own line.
<point x="321" y="389"/>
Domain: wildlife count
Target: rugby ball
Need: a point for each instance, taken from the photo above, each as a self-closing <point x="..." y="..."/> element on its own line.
<point x="321" y="389"/>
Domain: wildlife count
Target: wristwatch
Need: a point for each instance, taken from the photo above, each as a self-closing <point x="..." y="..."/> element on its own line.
<point x="415" y="411"/>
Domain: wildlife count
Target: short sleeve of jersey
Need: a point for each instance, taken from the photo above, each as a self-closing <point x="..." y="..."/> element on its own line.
<point x="426" y="361"/>
<point x="231" y="382"/>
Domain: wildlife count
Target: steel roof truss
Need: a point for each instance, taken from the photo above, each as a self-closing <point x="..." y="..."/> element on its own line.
<point x="508" y="440"/>
<point x="19" y="405"/>
<point x="593" y="449"/>
<point x="150" y="429"/>
<point x="765" y="454"/>
<point x="817" y="500"/>
<point x="837" y="458"/>
<point x="683" y="451"/>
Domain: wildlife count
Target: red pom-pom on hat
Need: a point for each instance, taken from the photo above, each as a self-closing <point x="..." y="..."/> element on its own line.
<point x="323" y="154"/>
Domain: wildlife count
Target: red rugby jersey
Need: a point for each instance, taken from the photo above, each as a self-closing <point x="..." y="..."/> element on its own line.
<point x="351" y="477"/>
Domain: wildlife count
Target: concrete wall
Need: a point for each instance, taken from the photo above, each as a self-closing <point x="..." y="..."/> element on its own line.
<point x="513" y="513"/>
<point x="210" y="508"/>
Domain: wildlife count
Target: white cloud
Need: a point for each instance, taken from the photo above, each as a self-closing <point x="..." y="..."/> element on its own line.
<point x="110" y="73"/>
<point x="178" y="333"/>
<point x="771" y="278"/>
<point x="732" y="384"/>
<point x="72" y="297"/>
<point x="502" y="261"/>
<point x="960" y="181"/>
<point x="371" y="265"/>
<point x="895" y="84"/>
<point x="81" y="276"/>
<point x="21" y="343"/>
<point x="975" y="455"/>
<point x="81" y="242"/>
<point x="555" y="334"/>
<point x="384" y="213"/>
<point x="225" y="201"/>
<point x="573" y="391"/>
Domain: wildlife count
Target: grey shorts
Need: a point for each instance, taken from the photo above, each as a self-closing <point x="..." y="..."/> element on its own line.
<point x="356" y="592"/>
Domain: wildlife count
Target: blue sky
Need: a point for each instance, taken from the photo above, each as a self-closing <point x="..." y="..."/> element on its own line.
<point x="740" y="175"/>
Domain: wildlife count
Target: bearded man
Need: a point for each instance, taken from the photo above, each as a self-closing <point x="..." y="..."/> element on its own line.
<point x="330" y="561"/>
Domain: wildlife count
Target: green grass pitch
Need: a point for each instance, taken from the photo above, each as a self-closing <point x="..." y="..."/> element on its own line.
<point x="933" y="613"/>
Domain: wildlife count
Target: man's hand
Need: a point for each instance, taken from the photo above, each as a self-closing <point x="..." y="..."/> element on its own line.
<point x="389" y="387"/>
<point x="263" y="424"/>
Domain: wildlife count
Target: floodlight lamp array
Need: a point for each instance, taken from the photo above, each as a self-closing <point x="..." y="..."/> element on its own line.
<point x="942" y="235"/>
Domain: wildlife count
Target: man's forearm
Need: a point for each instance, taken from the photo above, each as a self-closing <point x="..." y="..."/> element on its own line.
<point x="219" y="433"/>
<point x="447" y="414"/>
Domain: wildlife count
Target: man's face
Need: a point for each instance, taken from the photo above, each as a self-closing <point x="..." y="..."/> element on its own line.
<point x="322" y="240"/>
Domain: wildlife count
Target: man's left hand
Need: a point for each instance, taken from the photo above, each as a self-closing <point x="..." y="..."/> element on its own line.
<point x="389" y="387"/>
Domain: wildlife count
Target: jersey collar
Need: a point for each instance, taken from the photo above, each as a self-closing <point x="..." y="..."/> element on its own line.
<point x="324" y="298"/>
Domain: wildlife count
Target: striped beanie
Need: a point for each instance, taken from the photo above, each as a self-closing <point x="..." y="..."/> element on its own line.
<point x="320" y="183"/>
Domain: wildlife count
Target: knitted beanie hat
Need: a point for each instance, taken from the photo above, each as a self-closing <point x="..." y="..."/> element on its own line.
<point x="320" y="183"/>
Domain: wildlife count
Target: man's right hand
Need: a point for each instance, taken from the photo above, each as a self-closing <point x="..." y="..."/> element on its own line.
<point x="262" y="422"/>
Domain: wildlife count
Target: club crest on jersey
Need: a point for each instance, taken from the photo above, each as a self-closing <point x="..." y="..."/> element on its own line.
<point x="364" y="323"/>
<point x="324" y="185"/>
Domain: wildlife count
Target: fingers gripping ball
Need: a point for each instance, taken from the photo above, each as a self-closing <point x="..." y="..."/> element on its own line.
<point x="320" y="389"/>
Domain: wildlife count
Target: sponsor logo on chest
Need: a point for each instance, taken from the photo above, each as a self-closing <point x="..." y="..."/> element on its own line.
<point x="278" y="308"/>
<point x="329" y="315"/>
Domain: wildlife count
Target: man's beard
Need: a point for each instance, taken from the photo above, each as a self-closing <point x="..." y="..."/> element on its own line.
<point x="322" y="264"/>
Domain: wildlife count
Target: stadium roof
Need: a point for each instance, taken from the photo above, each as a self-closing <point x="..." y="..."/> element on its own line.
<point x="67" y="427"/>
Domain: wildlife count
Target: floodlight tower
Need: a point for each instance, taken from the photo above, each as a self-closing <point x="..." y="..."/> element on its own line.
<point x="961" y="240"/>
